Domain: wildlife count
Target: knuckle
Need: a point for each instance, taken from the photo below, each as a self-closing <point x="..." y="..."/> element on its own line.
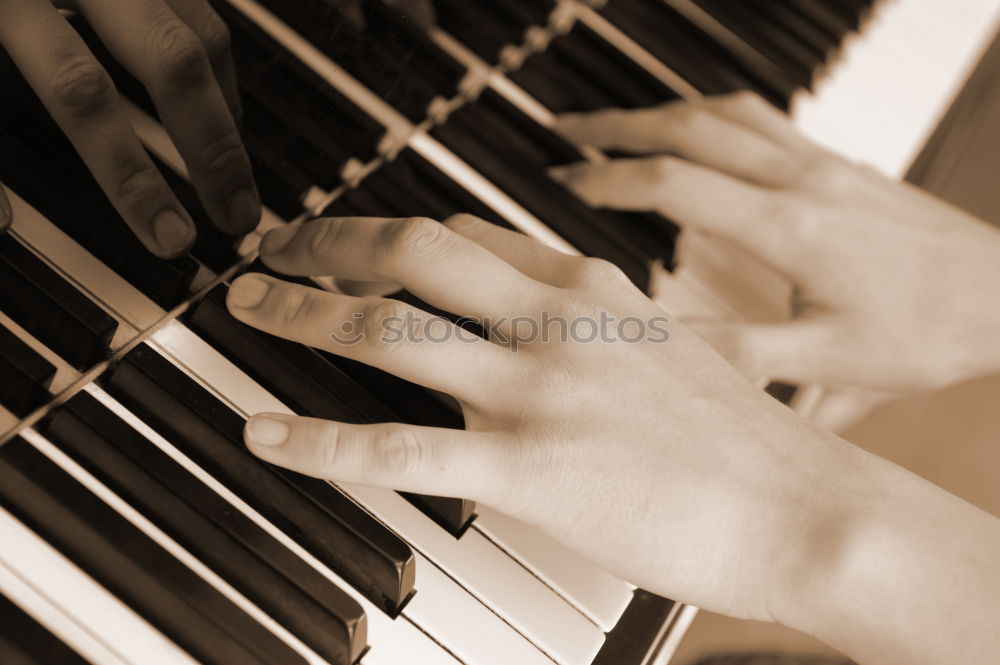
<point x="829" y="175"/>
<point x="328" y="449"/>
<point x="660" y="169"/>
<point x="381" y="315"/>
<point x="135" y="182"/>
<point x="399" y="452"/>
<point x="293" y="307"/>
<point x="221" y="154"/>
<point x="417" y="235"/>
<point x="324" y="235"/>
<point x="599" y="272"/>
<point x="182" y="57"/>
<point x="746" y="99"/>
<point x="688" y="119"/>
<point x="82" y="86"/>
<point x="216" y="37"/>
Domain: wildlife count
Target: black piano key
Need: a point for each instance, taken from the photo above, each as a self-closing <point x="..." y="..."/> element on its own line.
<point x="213" y="247"/>
<point x="41" y="176"/>
<point x="52" y="309"/>
<point x="311" y="511"/>
<point x="282" y="185"/>
<point x="783" y="392"/>
<point x="24" y="641"/>
<point x="24" y="375"/>
<point x="852" y="11"/>
<point x="629" y="641"/>
<point x="321" y="109"/>
<point x="707" y="65"/>
<point x="766" y="37"/>
<point x="309" y="383"/>
<point x="391" y="57"/>
<point x="484" y="27"/>
<point x="413" y="173"/>
<point x="801" y="27"/>
<point x="95" y="438"/>
<point x="512" y="150"/>
<point x="582" y="55"/>
<point x="131" y="565"/>
<point x="823" y="17"/>
<point x="294" y="373"/>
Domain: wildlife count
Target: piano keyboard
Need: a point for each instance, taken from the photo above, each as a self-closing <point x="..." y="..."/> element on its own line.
<point x="137" y="529"/>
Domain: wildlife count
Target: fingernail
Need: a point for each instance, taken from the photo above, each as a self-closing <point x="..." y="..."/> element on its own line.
<point x="172" y="232"/>
<point x="263" y="431"/>
<point x="244" y="211"/>
<point x="277" y="239"/>
<point x="248" y="292"/>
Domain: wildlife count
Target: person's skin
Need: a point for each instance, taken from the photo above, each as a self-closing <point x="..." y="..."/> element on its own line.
<point x="179" y="50"/>
<point x="656" y="459"/>
<point x="891" y="283"/>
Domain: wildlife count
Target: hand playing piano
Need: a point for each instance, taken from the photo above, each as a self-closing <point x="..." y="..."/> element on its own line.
<point x="179" y="50"/>
<point x="600" y="438"/>
<point x="892" y="286"/>
<point x="623" y="435"/>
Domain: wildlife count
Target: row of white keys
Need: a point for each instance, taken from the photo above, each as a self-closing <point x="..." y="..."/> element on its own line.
<point x="511" y="593"/>
<point x="497" y="604"/>
<point x="75" y="608"/>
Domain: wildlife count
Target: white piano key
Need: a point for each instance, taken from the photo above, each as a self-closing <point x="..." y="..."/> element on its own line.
<point x="392" y="641"/>
<point x="74" y="607"/>
<point x="65" y="374"/>
<point x="598" y="594"/>
<point x="499" y="582"/>
<point x="141" y="522"/>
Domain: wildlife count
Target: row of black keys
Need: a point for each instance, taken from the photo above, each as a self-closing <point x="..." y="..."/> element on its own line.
<point x="301" y="133"/>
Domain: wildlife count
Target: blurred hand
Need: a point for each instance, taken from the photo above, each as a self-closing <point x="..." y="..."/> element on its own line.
<point x="895" y="289"/>
<point x="641" y="448"/>
<point x="179" y="49"/>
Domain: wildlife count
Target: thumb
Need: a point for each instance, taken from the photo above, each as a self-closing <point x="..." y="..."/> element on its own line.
<point x="424" y="460"/>
<point x="797" y="351"/>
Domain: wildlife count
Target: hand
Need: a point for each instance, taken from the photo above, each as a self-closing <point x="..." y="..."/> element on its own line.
<point x="895" y="289"/>
<point x="643" y="449"/>
<point x="179" y="50"/>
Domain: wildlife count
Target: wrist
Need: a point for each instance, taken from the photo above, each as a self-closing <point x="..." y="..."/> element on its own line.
<point x="886" y="562"/>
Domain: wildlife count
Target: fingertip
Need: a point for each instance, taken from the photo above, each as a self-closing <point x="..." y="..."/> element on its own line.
<point x="174" y="234"/>
<point x="266" y="430"/>
<point x="243" y="211"/>
<point x="247" y="292"/>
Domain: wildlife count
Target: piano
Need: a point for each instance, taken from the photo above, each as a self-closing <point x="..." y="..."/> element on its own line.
<point x="134" y="527"/>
